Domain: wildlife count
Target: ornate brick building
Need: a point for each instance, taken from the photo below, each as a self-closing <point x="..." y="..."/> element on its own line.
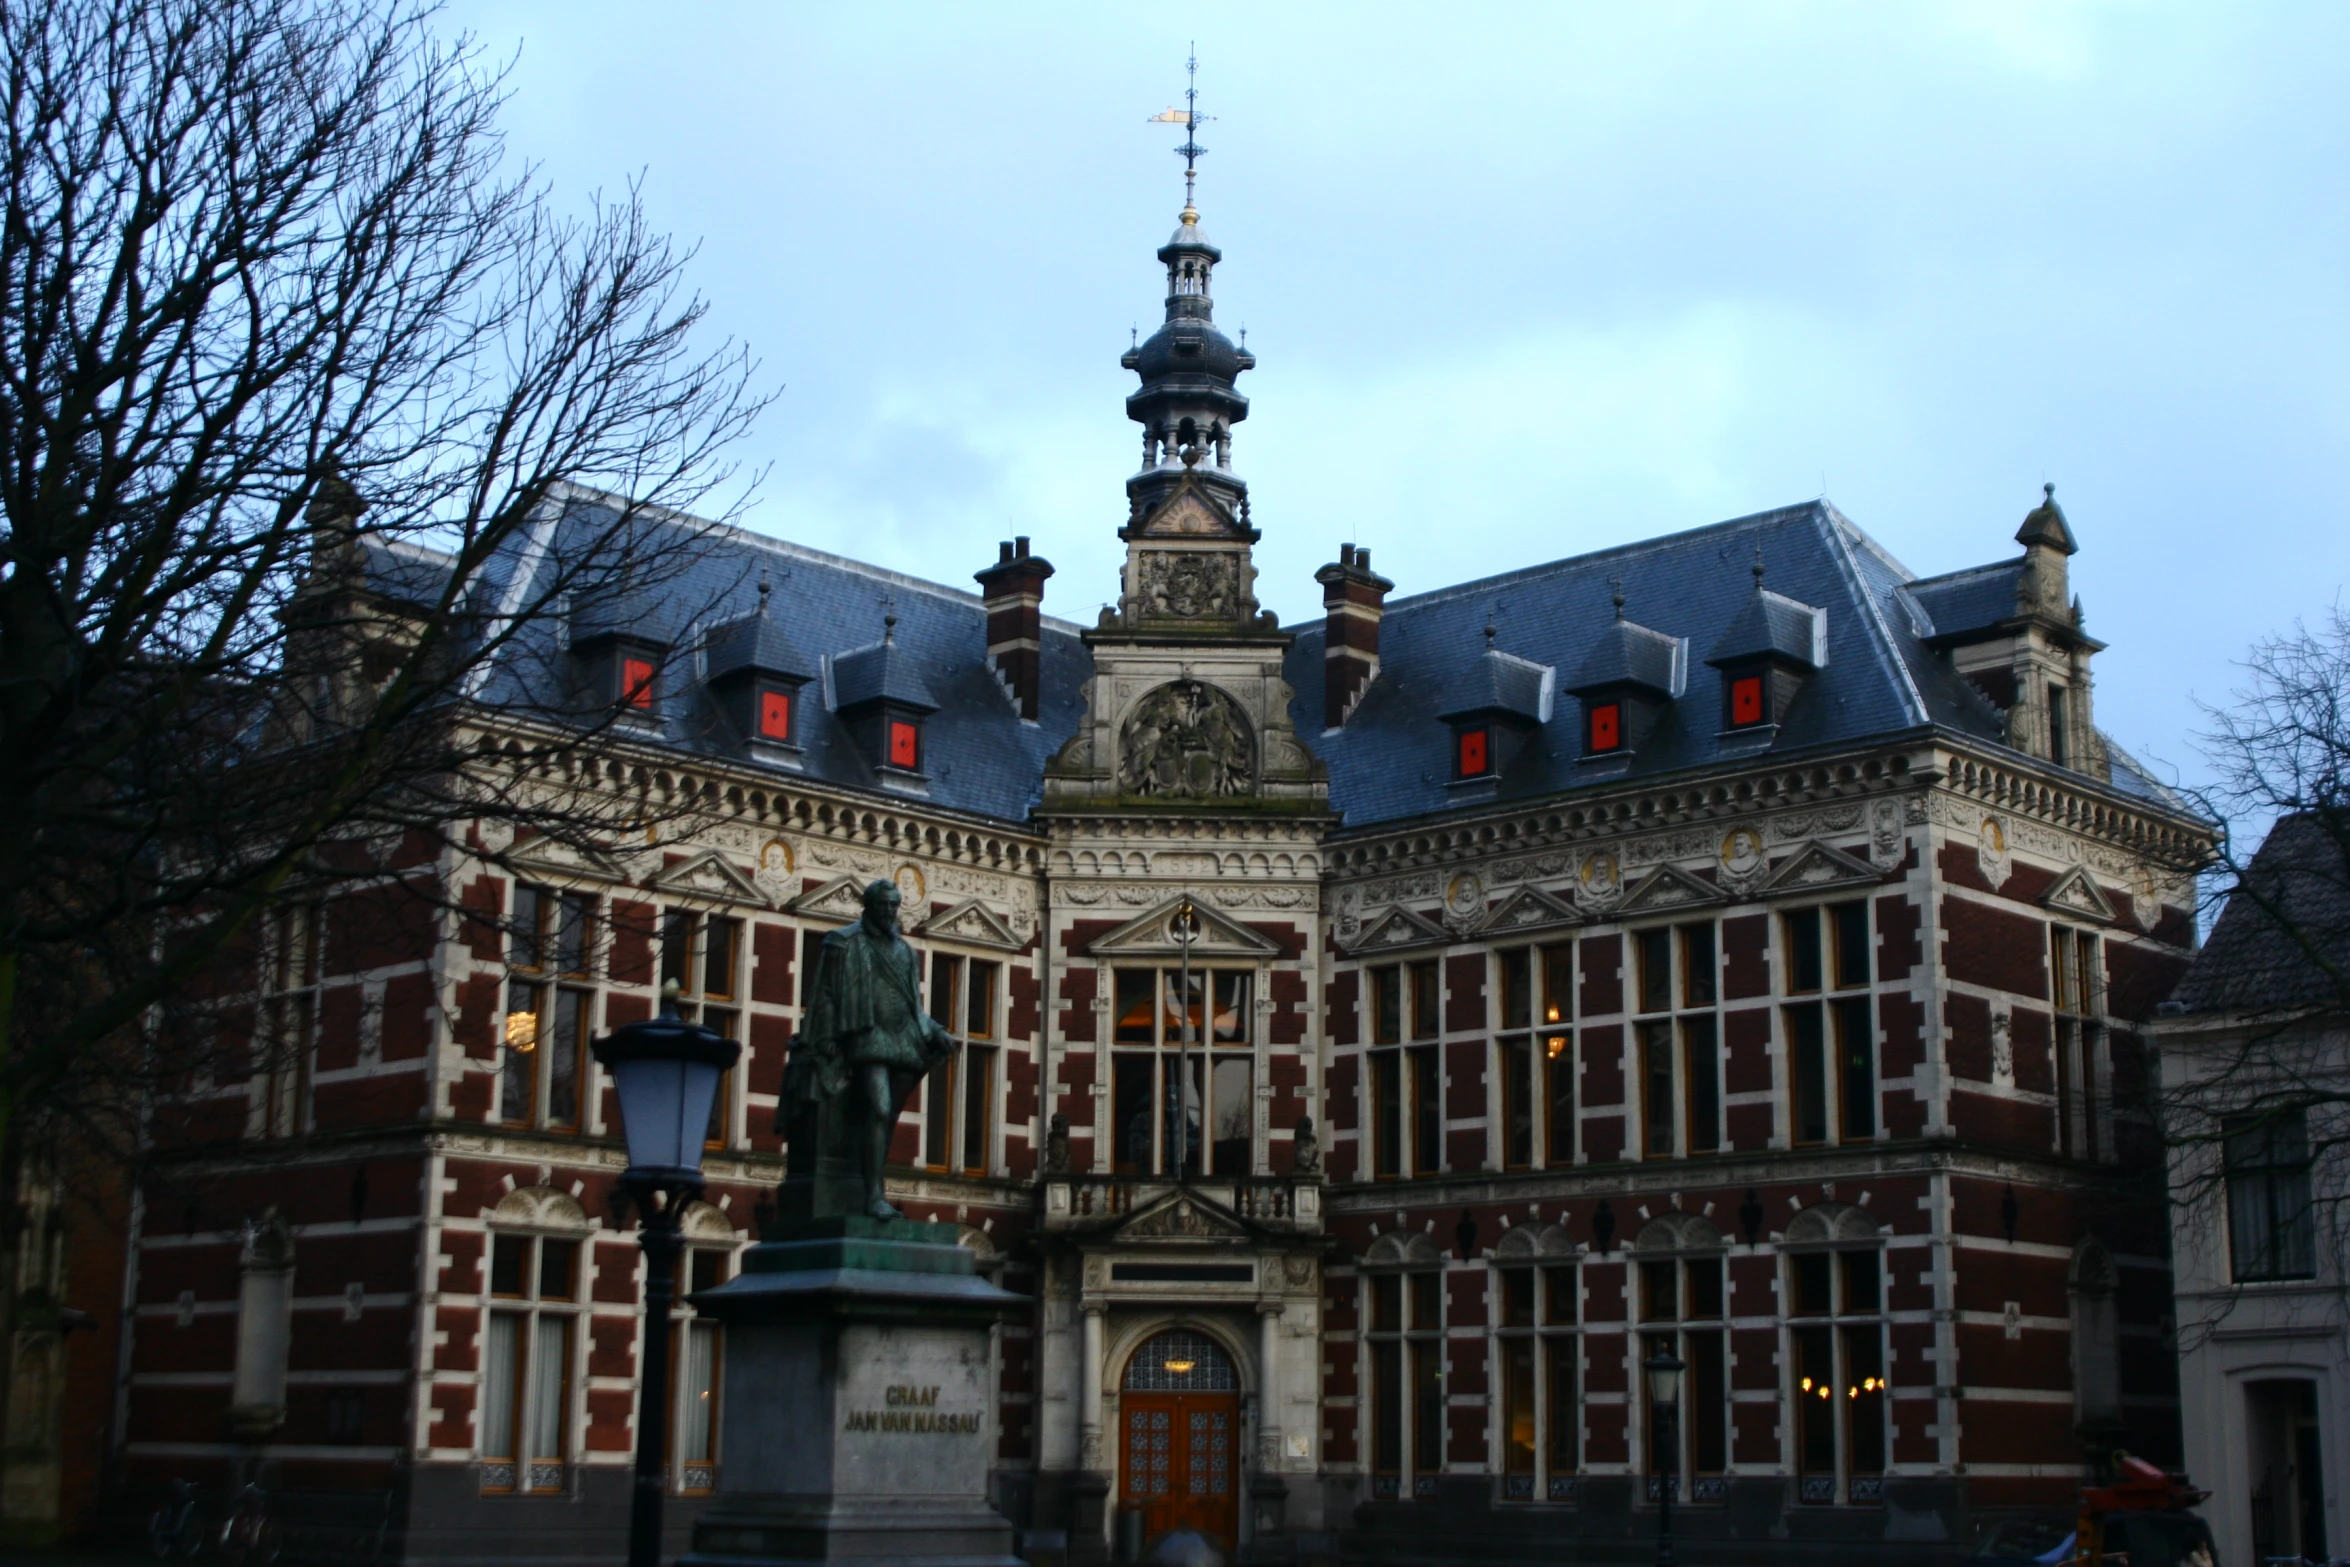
<point x="1381" y="1035"/>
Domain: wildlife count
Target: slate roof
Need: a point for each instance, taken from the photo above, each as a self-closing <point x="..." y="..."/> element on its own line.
<point x="1391" y="761"/>
<point x="2255" y="962"/>
<point x="977" y="753"/>
<point x="1502" y="683"/>
<point x="1880" y="677"/>
<point x="1964" y="603"/>
<point x="1772" y="624"/>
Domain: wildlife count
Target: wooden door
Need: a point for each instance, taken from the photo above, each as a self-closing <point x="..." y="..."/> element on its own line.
<point x="1180" y="1463"/>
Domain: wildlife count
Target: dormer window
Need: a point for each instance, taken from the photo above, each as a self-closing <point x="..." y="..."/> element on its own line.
<point x="905" y="745"/>
<point x="1606" y="727"/>
<point x="1631" y="677"/>
<point x="1475" y="759"/>
<point x="618" y="673"/>
<point x="1746" y="701"/>
<point x="754" y="675"/>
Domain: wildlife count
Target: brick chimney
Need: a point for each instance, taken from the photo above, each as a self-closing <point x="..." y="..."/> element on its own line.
<point x="1014" y="590"/>
<point x="1352" y="594"/>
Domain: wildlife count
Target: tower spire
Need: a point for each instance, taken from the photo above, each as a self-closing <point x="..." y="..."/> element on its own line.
<point x="1191" y="120"/>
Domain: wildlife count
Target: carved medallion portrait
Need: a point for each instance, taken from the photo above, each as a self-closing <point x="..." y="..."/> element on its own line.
<point x="1743" y="861"/>
<point x="774" y="875"/>
<point x="912" y="888"/>
<point x="1599" y="880"/>
<point x="1464" y="896"/>
<point x="1187" y="741"/>
<point x="1991" y="852"/>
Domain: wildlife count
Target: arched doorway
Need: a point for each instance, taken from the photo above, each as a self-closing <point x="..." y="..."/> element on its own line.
<point x="1179" y="1443"/>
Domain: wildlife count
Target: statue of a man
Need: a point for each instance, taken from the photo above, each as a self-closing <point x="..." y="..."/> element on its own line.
<point x="865" y="1040"/>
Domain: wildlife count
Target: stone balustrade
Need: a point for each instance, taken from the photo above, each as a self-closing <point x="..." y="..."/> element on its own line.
<point x="1285" y="1203"/>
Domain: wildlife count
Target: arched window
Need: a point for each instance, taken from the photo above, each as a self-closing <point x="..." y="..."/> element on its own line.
<point x="1537" y="1349"/>
<point x="1181" y="1361"/>
<point x="1403" y="1309"/>
<point x="1683" y="1304"/>
<point x="1835" y="1295"/>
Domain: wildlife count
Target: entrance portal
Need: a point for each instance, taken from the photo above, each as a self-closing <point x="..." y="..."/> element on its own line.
<point x="1179" y="1407"/>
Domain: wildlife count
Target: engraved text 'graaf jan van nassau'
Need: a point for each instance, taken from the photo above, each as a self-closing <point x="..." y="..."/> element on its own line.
<point x="912" y="1410"/>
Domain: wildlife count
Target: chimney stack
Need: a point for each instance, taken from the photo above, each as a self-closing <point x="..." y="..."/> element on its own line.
<point x="1352" y="595"/>
<point x="1014" y="591"/>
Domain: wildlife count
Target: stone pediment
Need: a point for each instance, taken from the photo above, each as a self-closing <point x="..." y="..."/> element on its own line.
<point x="1152" y="935"/>
<point x="1818" y="866"/>
<point x="1182" y="1215"/>
<point x="841" y="898"/>
<point x="972" y="923"/>
<point x="1665" y="890"/>
<point x="1529" y="908"/>
<point x="1188" y="514"/>
<point x="2076" y="893"/>
<point x="558" y="861"/>
<point x="709" y="874"/>
<point x="1399" y="928"/>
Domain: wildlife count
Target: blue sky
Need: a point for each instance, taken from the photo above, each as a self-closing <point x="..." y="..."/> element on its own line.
<point x="1527" y="281"/>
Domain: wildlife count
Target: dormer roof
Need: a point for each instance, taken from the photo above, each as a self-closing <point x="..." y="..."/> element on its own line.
<point x="1633" y="655"/>
<point x="882" y="672"/>
<point x="1772" y="625"/>
<point x="1502" y="683"/>
<point x="755" y="644"/>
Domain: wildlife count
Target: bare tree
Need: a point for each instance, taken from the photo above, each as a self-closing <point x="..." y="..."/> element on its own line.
<point x="301" y="385"/>
<point x="2253" y="1099"/>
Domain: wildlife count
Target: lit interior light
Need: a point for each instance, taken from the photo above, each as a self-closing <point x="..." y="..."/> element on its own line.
<point x="1825" y="1391"/>
<point x="522" y="1032"/>
<point x="1807" y="1384"/>
<point x="1556" y="1045"/>
<point x="1179" y="1367"/>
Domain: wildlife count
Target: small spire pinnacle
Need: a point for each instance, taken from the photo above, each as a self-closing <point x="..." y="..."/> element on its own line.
<point x="764" y="589"/>
<point x="1758" y="561"/>
<point x="889" y="622"/>
<point x="1615" y="588"/>
<point x="1489" y="627"/>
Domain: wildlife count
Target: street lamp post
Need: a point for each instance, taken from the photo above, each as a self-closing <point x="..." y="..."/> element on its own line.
<point x="665" y="1074"/>
<point x="1664" y="1401"/>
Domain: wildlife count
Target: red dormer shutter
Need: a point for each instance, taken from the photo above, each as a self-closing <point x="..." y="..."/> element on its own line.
<point x="905" y="745"/>
<point x="1607" y="726"/>
<point x="636" y="683"/>
<point x="1746" y="701"/>
<point x="1474" y="752"/>
<point x="775" y="715"/>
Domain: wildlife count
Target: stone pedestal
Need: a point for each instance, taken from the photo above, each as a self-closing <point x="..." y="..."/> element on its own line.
<point x="858" y="1420"/>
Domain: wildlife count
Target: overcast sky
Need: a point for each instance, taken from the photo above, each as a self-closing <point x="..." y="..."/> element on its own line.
<point x="1530" y="281"/>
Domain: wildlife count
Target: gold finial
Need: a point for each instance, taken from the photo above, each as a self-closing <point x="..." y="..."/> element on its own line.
<point x="1189" y="214"/>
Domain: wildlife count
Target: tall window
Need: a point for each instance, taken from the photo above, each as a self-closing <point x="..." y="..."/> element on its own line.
<point x="1407" y="1381"/>
<point x="1407" y="1111"/>
<point x="1831" y="1023"/>
<point x="1537" y="1350"/>
<point x="1172" y="1108"/>
<point x="2272" y="1232"/>
<point x="1677" y="984"/>
<point x="289" y="1012"/>
<point x="958" y="1101"/>
<point x="1682" y="1307"/>
<point x="693" y="1426"/>
<point x="1557" y="1038"/>
<point x="702" y="955"/>
<point x="2078" y="982"/>
<point x="527" y="1358"/>
<point x="549" y="1009"/>
<point x="1836" y="1335"/>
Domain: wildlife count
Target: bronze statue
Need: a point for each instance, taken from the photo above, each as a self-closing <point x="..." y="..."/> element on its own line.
<point x="865" y="1041"/>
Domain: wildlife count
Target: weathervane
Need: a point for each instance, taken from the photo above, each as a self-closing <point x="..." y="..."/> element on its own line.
<point x="1191" y="120"/>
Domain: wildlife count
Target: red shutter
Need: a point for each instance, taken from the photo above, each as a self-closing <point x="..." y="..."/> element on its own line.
<point x="636" y="682"/>
<point x="1473" y="752"/>
<point x="905" y="744"/>
<point x="1746" y="701"/>
<point x="775" y="715"/>
<point x="1607" y="726"/>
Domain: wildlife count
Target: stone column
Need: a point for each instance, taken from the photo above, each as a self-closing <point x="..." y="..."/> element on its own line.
<point x="1089" y="1396"/>
<point x="1269" y="1398"/>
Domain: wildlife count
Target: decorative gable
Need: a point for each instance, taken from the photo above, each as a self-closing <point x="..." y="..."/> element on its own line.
<point x="1529" y="908"/>
<point x="1399" y="928"/>
<point x="972" y="923"/>
<point x="555" y="860"/>
<point x="1818" y="866"/>
<point x="1152" y="935"/>
<point x="1190" y="514"/>
<point x="1665" y="890"/>
<point x="2076" y="893"/>
<point x="709" y="875"/>
<point x="841" y="898"/>
<point x="1183" y="1216"/>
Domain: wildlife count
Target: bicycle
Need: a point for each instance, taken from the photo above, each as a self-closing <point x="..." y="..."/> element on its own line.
<point x="249" y="1535"/>
<point x="175" y="1528"/>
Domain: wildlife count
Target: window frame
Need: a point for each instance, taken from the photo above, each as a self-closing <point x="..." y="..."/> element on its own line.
<point x="528" y="1474"/>
<point x="539" y="967"/>
<point x="1844" y="1325"/>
